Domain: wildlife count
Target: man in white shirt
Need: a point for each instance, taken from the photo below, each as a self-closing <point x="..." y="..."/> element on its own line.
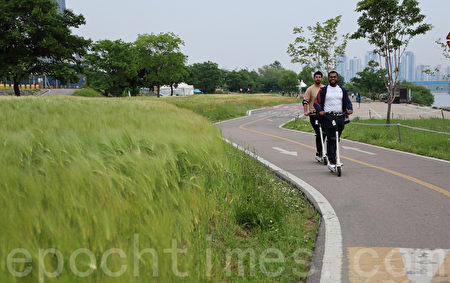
<point x="332" y="98"/>
<point x="309" y="110"/>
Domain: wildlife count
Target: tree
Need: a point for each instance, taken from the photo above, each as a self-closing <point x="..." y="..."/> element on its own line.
<point x="160" y="60"/>
<point x="205" y="76"/>
<point x="321" y="50"/>
<point x="289" y="81"/>
<point x="389" y="26"/>
<point x="244" y="79"/>
<point x="420" y="94"/>
<point x="270" y="75"/>
<point x="111" y="66"/>
<point x="306" y="75"/>
<point x="371" y="79"/>
<point x="37" y="40"/>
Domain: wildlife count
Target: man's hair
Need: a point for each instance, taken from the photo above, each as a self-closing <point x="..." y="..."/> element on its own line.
<point x="318" y="73"/>
<point x="333" y="72"/>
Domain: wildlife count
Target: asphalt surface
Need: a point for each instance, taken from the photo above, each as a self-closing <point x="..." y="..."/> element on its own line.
<point x="393" y="207"/>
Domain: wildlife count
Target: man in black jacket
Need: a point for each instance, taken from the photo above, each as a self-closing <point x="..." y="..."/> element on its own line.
<point x="332" y="98"/>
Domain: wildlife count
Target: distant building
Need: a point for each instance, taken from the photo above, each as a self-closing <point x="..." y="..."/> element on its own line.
<point x="370" y="56"/>
<point x="342" y="66"/>
<point x="354" y="66"/>
<point x="61" y="5"/>
<point x="407" y="67"/>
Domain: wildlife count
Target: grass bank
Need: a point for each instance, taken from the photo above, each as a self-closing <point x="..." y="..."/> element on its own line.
<point x="103" y="181"/>
<point x="420" y="142"/>
<point x="223" y="107"/>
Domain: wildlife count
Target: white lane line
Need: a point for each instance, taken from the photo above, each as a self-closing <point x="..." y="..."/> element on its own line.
<point x="332" y="257"/>
<point x="359" y="150"/>
<point x="283" y="151"/>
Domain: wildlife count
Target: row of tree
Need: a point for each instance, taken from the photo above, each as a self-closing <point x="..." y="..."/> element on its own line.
<point x="36" y="39"/>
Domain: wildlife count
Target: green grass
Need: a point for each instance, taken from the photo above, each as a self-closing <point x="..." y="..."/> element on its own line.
<point x="223" y="107"/>
<point x="97" y="173"/>
<point x="420" y="142"/>
<point x="87" y="92"/>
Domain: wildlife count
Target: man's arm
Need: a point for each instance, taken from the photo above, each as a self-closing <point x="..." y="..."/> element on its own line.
<point x="317" y="102"/>
<point x="306" y="100"/>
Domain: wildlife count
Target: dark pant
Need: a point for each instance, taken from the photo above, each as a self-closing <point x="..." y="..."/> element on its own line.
<point x="313" y="119"/>
<point x="331" y="134"/>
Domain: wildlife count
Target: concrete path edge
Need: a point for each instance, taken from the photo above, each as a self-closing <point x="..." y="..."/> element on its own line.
<point x="333" y="254"/>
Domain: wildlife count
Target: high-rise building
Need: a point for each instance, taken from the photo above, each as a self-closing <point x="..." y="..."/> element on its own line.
<point x="342" y="66"/>
<point x="354" y="66"/>
<point x="370" y="56"/>
<point x="61" y="5"/>
<point x="407" y="67"/>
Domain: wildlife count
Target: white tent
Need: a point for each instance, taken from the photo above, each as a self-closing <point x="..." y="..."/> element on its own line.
<point x="183" y="89"/>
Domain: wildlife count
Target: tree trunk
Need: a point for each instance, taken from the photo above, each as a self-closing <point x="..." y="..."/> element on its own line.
<point x="171" y="89"/>
<point x="389" y="101"/>
<point x="157" y="90"/>
<point x="16" y="87"/>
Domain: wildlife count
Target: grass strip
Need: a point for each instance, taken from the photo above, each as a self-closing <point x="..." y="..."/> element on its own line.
<point x="223" y="107"/>
<point x="415" y="141"/>
<point x="104" y="180"/>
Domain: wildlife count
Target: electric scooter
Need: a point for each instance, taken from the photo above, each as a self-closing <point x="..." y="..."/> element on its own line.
<point x="322" y="159"/>
<point x="338" y="166"/>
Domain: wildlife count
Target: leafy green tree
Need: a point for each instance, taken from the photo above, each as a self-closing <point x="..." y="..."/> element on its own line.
<point x="371" y="80"/>
<point x="244" y="79"/>
<point x="160" y="61"/>
<point x="389" y="26"/>
<point x="37" y="40"/>
<point x="419" y="94"/>
<point x="306" y="75"/>
<point x="111" y="67"/>
<point x="321" y="50"/>
<point x="289" y="81"/>
<point x="205" y="76"/>
<point x="270" y="75"/>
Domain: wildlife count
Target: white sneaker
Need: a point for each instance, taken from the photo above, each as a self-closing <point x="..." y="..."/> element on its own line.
<point x="318" y="158"/>
<point x="331" y="166"/>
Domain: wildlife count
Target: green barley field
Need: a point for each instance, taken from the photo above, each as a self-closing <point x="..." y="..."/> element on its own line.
<point x="139" y="190"/>
<point x="420" y="142"/>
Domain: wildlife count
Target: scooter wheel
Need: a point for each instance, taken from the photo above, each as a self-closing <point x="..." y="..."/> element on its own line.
<point x="339" y="171"/>
<point x="325" y="160"/>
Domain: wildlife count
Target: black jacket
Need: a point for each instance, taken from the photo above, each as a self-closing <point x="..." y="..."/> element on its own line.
<point x="319" y="103"/>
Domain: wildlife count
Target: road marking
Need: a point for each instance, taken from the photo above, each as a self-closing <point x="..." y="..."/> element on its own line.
<point x="357" y="149"/>
<point x="283" y="151"/>
<point x="383" y="264"/>
<point x="412" y="179"/>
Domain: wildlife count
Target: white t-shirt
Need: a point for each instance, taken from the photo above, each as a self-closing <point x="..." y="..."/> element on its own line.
<point x="333" y="100"/>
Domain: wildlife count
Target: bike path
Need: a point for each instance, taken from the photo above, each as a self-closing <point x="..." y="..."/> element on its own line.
<point x="393" y="207"/>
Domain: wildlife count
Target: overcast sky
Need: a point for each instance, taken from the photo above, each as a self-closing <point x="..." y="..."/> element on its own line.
<point x="244" y="33"/>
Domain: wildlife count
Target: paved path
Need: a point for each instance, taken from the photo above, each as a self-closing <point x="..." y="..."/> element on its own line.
<point x="393" y="208"/>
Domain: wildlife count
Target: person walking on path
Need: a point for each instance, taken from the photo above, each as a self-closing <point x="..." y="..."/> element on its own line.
<point x="332" y="99"/>
<point x="309" y="110"/>
<point x="358" y="99"/>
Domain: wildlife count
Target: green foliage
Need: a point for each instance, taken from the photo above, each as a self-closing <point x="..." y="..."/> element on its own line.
<point x="235" y="80"/>
<point x="322" y="49"/>
<point x="389" y="26"/>
<point x="97" y="173"/>
<point x="420" y="142"/>
<point x="371" y="80"/>
<point x="288" y="81"/>
<point x="307" y="75"/>
<point x="222" y="107"/>
<point x="111" y="66"/>
<point x="36" y="39"/>
<point x="87" y="92"/>
<point x="419" y="94"/>
<point x="159" y="59"/>
<point x="205" y="76"/>
<point x="270" y="76"/>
